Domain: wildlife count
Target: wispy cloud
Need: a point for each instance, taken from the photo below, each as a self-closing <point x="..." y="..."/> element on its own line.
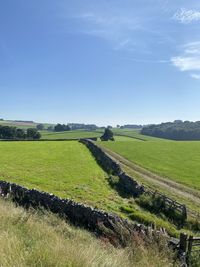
<point x="195" y="76"/>
<point x="189" y="60"/>
<point x="117" y="29"/>
<point x="187" y="16"/>
<point x="186" y="63"/>
<point x="154" y="61"/>
<point x="124" y="29"/>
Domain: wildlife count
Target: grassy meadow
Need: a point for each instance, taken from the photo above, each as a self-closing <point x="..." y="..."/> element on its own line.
<point x="30" y="238"/>
<point x="69" y="134"/>
<point x="68" y="170"/>
<point x="135" y="133"/>
<point x="64" y="168"/>
<point x="179" y="161"/>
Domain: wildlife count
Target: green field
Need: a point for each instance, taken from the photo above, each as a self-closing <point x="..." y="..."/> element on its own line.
<point x="64" y="168"/>
<point x="68" y="170"/>
<point x="179" y="161"/>
<point x="69" y="134"/>
<point x="124" y="138"/>
<point x="82" y="134"/>
<point x="135" y="133"/>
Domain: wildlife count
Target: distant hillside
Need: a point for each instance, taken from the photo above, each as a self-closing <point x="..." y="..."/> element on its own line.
<point x="21" y="124"/>
<point x="177" y="130"/>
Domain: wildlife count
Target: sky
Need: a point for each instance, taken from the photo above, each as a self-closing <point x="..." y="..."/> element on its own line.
<point x="106" y="62"/>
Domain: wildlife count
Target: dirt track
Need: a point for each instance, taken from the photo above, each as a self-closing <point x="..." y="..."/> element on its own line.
<point x="177" y="189"/>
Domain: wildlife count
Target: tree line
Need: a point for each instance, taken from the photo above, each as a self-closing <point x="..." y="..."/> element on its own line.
<point x="177" y="130"/>
<point x="13" y="133"/>
<point x="74" y="126"/>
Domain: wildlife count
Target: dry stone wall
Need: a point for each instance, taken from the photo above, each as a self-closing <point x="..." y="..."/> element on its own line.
<point x="108" y="225"/>
<point x="126" y="182"/>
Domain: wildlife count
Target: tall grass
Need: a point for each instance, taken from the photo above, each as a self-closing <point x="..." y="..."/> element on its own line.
<point x="30" y="238"/>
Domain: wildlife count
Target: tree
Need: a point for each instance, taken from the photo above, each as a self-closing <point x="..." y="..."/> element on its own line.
<point x="50" y="128"/>
<point x="32" y="133"/>
<point x="108" y="135"/>
<point x="61" y="127"/>
<point x="20" y="134"/>
<point x="40" y="127"/>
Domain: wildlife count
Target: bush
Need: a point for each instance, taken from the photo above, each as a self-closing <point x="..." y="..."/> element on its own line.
<point x="157" y="205"/>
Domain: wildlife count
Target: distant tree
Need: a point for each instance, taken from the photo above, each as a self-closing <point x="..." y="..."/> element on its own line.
<point x="76" y="126"/>
<point x="61" y="127"/>
<point x="8" y="132"/>
<point x="108" y="135"/>
<point x="50" y="128"/>
<point x="109" y="127"/>
<point x="67" y="128"/>
<point x="58" y="128"/>
<point x="177" y="130"/>
<point x="32" y="133"/>
<point x="20" y="134"/>
<point x="40" y="127"/>
<point x="118" y="126"/>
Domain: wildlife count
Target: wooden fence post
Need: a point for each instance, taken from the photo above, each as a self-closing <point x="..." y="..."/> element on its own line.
<point x="184" y="212"/>
<point x="183" y="243"/>
<point x="190" y="241"/>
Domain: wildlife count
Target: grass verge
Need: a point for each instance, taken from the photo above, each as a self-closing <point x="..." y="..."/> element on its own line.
<point x="32" y="238"/>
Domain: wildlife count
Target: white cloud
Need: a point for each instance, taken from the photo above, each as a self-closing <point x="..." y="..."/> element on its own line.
<point x="192" y="48"/>
<point x="185" y="63"/>
<point x="187" y="16"/>
<point x="189" y="59"/>
<point x="195" y="76"/>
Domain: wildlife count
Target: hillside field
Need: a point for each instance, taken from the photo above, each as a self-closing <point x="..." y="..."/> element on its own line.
<point x="69" y="134"/>
<point x="83" y="134"/>
<point x="135" y="133"/>
<point x="179" y="161"/>
<point x="68" y="170"/>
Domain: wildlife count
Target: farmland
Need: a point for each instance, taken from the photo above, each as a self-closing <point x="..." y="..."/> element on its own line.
<point x="135" y="133"/>
<point x="179" y="161"/>
<point x="68" y="170"/>
<point x="64" y="168"/>
<point x="119" y="135"/>
<point x="69" y="134"/>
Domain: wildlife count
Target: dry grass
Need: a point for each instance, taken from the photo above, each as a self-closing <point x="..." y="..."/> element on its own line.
<point x="36" y="239"/>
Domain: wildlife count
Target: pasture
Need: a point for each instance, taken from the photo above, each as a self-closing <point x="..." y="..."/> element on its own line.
<point x="135" y="133"/>
<point x="68" y="170"/>
<point x="179" y="161"/>
<point x="69" y="134"/>
<point x="64" y="168"/>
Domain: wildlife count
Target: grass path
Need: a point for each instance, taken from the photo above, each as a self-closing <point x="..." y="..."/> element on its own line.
<point x="186" y="195"/>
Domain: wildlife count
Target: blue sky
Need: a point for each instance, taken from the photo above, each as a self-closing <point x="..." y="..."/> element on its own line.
<point x="104" y="62"/>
